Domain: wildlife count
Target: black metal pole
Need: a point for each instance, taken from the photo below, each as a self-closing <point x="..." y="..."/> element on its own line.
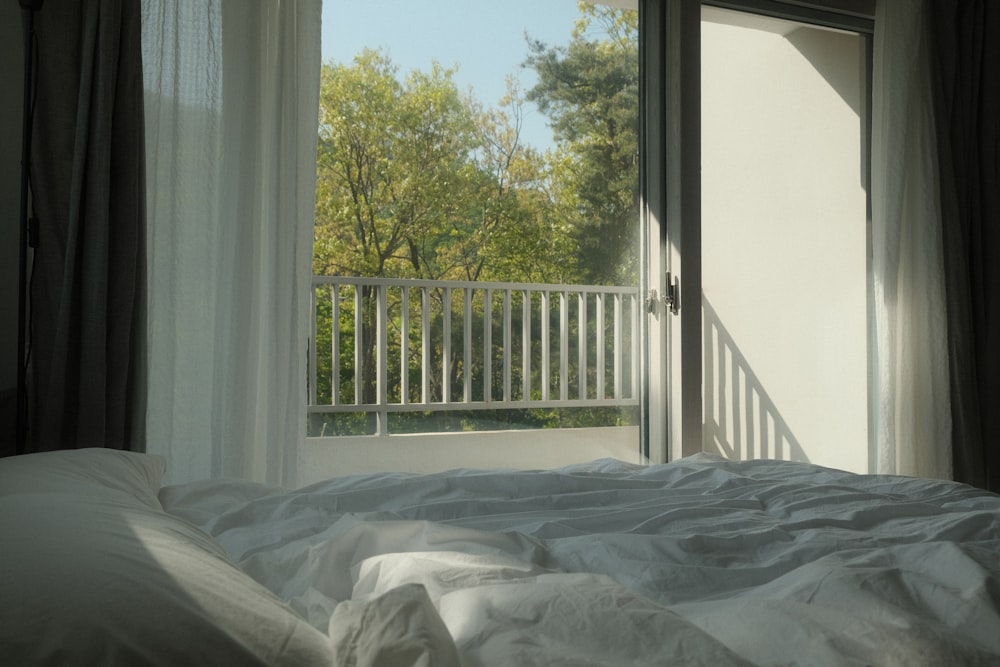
<point x="21" y="434"/>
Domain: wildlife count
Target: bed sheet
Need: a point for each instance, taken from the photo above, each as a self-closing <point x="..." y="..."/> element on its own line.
<point x="701" y="561"/>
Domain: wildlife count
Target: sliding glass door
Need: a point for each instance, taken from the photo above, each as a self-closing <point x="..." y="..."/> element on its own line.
<point x="757" y="128"/>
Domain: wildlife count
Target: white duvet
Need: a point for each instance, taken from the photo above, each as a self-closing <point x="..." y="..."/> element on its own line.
<point x="696" y="562"/>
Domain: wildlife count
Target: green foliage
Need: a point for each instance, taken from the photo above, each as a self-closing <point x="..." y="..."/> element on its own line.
<point x="392" y="157"/>
<point x="590" y="91"/>
<point x="415" y="180"/>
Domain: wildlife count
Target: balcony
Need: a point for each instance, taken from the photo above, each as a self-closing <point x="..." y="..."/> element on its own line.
<point x="396" y="361"/>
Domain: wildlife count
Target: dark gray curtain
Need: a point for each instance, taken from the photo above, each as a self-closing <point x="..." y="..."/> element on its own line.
<point x="966" y="38"/>
<point x="86" y="377"/>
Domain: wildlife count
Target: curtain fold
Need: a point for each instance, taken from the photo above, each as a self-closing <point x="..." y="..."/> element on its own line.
<point x="231" y="114"/>
<point x="86" y="383"/>
<point x="966" y="43"/>
<point x="912" y="415"/>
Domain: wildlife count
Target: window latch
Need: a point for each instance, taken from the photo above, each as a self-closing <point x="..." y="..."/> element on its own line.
<point x="670" y="300"/>
<point x="652" y="298"/>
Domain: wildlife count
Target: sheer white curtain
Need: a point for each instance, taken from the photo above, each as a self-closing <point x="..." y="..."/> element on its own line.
<point x="231" y="115"/>
<point x="912" y="411"/>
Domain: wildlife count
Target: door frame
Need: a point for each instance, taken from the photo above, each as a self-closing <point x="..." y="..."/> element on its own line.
<point x="670" y="187"/>
<point x="670" y="204"/>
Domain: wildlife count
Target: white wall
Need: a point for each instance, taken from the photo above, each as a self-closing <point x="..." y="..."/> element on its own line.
<point x="784" y="245"/>
<point x="11" y="65"/>
<point x="321" y="458"/>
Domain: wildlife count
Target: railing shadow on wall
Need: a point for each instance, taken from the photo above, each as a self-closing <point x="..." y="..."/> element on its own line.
<point x="741" y="419"/>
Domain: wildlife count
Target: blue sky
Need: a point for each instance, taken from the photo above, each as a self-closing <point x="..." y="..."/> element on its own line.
<point x="485" y="38"/>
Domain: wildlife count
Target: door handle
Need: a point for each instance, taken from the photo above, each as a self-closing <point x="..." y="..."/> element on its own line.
<point x="670" y="300"/>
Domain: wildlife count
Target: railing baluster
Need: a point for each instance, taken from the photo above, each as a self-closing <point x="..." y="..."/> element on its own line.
<point x="335" y="347"/>
<point x="526" y="345"/>
<point x="506" y="344"/>
<point x="581" y="341"/>
<point x="467" y="345"/>
<point x="488" y="346"/>
<point x="599" y="331"/>
<point x="563" y="347"/>
<point x="446" y="347"/>
<point x="359" y="334"/>
<point x="546" y="344"/>
<point x="382" y="356"/>
<point x="404" y="345"/>
<point x="619" y="348"/>
<point x="425" y="341"/>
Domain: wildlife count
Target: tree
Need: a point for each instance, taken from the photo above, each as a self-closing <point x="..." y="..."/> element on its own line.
<point x="393" y="167"/>
<point x="415" y="180"/>
<point x="521" y="236"/>
<point x="590" y="91"/>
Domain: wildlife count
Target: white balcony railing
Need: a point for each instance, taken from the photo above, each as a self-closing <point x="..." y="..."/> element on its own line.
<point x="385" y="346"/>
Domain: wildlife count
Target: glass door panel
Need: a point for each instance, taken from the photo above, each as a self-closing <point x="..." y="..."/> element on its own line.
<point x="784" y="240"/>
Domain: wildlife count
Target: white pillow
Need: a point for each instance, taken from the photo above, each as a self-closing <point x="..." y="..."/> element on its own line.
<point x="93" y="472"/>
<point x="91" y="572"/>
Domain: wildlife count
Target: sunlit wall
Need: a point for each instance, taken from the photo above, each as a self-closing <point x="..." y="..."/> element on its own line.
<point x="784" y="241"/>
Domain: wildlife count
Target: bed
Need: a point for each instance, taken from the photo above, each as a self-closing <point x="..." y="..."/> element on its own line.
<point x="701" y="561"/>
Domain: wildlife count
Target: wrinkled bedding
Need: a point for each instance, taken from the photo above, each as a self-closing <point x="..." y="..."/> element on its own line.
<point x="697" y="562"/>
